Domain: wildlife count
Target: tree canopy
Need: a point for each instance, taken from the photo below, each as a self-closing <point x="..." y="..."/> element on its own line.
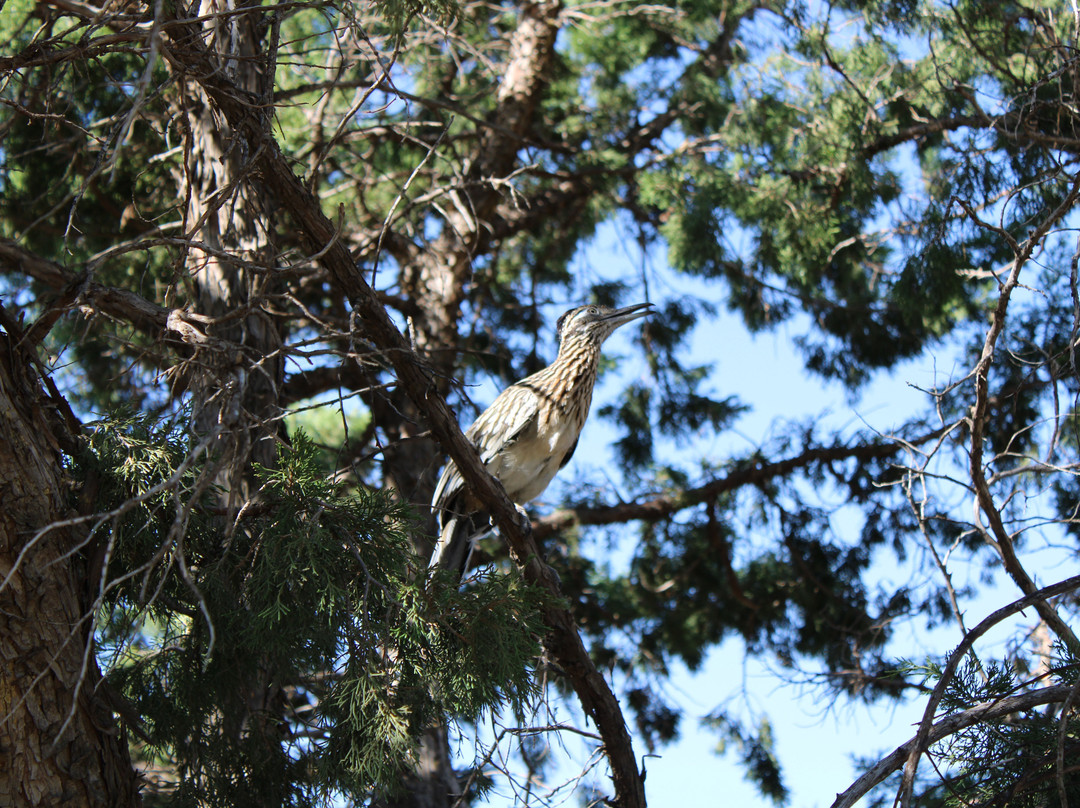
<point x="258" y="259"/>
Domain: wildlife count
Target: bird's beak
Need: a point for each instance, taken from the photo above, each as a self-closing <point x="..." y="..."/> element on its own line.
<point x="629" y="314"/>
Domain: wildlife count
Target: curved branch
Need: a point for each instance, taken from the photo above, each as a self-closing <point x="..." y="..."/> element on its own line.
<point x="947" y="726"/>
<point x="925" y="129"/>
<point x="995" y="533"/>
<point x="984" y="498"/>
<point x="186" y="53"/>
<point x="922" y="742"/>
<point x="1016" y="127"/>
<point x="119" y="303"/>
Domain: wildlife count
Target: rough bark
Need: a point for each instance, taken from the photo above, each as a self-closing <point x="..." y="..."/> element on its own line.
<point x="59" y="743"/>
<point x="235" y="377"/>
<point x="235" y="392"/>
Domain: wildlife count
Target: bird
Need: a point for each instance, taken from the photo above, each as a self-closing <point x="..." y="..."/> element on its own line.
<point x="529" y="432"/>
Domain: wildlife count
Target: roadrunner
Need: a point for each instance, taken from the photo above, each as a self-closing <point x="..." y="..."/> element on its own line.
<point x="529" y="432"/>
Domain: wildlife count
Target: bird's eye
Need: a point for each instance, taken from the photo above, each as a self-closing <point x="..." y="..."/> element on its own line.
<point x="593" y="310"/>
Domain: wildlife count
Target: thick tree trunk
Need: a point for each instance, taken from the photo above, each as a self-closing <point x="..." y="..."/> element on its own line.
<point x="59" y="743"/>
<point x="236" y="385"/>
<point x="236" y="388"/>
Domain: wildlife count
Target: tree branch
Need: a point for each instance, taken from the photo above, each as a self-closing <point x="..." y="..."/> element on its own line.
<point x="119" y="303"/>
<point x="996" y="533"/>
<point x="985" y="500"/>
<point x="753" y="473"/>
<point x="988" y="711"/>
<point x="922" y="739"/>
<point x="186" y="53"/>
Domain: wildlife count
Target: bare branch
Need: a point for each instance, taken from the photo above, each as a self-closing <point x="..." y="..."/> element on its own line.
<point x="752" y="473"/>
<point x="985" y="500"/>
<point x="923" y="739"/>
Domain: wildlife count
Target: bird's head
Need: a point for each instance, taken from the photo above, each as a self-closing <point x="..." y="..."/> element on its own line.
<point x="597" y="323"/>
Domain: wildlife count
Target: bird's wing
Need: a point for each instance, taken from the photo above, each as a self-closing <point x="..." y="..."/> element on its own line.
<point x="569" y="454"/>
<point x="513" y="413"/>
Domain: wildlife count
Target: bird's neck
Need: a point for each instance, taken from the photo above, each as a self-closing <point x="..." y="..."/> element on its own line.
<point x="576" y="365"/>
<point x="577" y="352"/>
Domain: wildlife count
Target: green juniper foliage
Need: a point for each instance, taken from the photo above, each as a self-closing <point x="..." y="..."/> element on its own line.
<point x="1011" y="761"/>
<point x="857" y="177"/>
<point x="317" y="590"/>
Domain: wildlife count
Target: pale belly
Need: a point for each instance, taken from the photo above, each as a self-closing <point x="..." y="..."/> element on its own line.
<point x="531" y="463"/>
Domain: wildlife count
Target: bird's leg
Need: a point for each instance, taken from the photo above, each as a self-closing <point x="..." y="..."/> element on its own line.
<point x="526" y="525"/>
<point x="526" y="522"/>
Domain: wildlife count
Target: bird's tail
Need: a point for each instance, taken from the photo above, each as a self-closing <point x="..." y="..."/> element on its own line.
<point x="458" y="534"/>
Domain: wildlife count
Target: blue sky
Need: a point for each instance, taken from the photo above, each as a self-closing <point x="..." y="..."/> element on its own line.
<point x="815" y="739"/>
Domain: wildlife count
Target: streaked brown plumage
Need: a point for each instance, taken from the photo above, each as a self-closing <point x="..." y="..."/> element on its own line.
<point x="530" y="431"/>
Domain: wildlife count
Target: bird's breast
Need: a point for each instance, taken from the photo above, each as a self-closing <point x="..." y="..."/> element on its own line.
<point x="527" y="467"/>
